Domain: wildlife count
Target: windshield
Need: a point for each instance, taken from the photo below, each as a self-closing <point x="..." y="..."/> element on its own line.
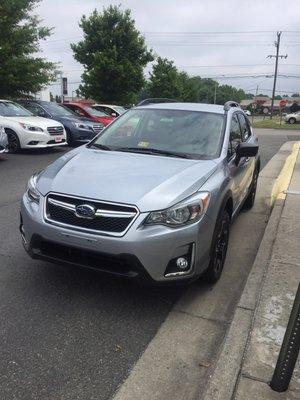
<point x="95" y="113"/>
<point x="58" y="110"/>
<point x="119" y="109"/>
<point x="9" y="109"/>
<point x="193" y="133"/>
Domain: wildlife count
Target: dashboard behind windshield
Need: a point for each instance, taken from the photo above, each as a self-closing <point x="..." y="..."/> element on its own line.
<point x="194" y="133"/>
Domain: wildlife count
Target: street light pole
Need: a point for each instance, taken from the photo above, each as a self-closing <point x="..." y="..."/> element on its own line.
<point x="277" y="56"/>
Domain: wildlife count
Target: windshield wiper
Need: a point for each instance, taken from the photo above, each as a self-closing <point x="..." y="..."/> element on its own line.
<point x="153" y="151"/>
<point x="99" y="146"/>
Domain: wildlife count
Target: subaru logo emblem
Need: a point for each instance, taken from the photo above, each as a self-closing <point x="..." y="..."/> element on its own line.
<point x="85" y="211"/>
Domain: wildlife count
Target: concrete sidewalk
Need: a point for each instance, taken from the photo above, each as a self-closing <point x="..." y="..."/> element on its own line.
<point x="247" y="360"/>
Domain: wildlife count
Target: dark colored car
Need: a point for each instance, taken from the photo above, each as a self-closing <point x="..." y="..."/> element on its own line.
<point x="84" y="110"/>
<point x="78" y="130"/>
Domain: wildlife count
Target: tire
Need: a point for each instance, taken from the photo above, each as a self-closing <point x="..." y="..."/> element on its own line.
<point x="13" y="142"/>
<point x="249" y="202"/>
<point x="69" y="138"/>
<point x="218" y="248"/>
<point x="292" y="120"/>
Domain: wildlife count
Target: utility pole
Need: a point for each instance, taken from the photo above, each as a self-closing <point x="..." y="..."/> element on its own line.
<point x="277" y="56"/>
<point x="61" y="87"/>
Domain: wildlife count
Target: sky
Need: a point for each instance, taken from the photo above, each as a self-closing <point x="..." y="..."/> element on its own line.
<point x="211" y="38"/>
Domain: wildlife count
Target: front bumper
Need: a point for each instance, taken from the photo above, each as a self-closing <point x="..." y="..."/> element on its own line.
<point x="82" y="135"/>
<point x="143" y="253"/>
<point x="40" y="140"/>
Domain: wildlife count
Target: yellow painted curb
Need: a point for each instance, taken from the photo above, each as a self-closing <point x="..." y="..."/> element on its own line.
<point x="283" y="180"/>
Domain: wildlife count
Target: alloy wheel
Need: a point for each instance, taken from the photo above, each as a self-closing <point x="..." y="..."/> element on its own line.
<point x="13" y="143"/>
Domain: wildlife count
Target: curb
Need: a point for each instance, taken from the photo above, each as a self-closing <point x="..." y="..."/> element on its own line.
<point x="175" y="364"/>
<point x="228" y="366"/>
<point x="284" y="178"/>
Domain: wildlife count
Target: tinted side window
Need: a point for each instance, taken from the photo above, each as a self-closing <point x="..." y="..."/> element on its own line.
<point x="36" y="110"/>
<point x="235" y="136"/>
<point x="107" y="110"/>
<point x="246" y="133"/>
<point x="77" y="110"/>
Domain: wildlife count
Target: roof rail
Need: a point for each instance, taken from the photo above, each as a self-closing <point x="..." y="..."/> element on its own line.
<point x="155" y="100"/>
<point x="229" y="104"/>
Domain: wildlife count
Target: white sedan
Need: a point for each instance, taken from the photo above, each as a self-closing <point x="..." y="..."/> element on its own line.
<point x="292" y="118"/>
<point x="26" y="131"/>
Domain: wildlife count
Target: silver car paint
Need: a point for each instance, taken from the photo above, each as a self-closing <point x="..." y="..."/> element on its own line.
<point x="150" y="183"/>
<point x="165" y="180"/>
<point x="3" y="141"/>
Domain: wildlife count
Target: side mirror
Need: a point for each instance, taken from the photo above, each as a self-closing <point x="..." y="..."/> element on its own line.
<point x="246" y="150"/>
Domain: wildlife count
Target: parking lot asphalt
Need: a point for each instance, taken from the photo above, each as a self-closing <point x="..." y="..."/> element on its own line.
<point x="73" y="334"/>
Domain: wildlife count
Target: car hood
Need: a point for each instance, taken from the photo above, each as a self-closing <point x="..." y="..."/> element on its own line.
<point x="148" y="181"/>
<point x="66" y="120"/>
<point x="36" y="121"/>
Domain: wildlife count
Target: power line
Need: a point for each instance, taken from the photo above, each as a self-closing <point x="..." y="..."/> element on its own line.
<point x="233" y="65"/>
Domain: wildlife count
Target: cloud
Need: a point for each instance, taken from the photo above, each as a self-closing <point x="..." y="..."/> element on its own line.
<point x="167" y="26"/>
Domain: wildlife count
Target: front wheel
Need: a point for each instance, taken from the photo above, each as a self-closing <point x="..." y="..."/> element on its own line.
<point x="249" y="202"/>
<point x="292" y="120"/>
<point x="13" y="141"/>
<point x="218" y="248"/>
<point x="70" y="140"/>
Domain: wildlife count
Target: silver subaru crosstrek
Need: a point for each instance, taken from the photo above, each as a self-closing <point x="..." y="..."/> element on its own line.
<point x="151" y="198"/>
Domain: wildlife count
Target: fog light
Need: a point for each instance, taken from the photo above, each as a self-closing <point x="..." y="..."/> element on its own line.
<point x="182" y="263"/>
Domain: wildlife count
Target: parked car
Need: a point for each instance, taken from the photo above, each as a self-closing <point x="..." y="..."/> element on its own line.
<point x="248" y="113"/>
<point x="3" y="140"/>
<point x="155" y="205"/>
<point x="292" y="118"/>
<point x="114" y="111"/>
<point x="83" y="110"/>
<point x="78" y="130"/>
<point x="26" y="131"/>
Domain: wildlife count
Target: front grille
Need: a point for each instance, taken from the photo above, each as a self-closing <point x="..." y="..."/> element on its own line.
<point x="57" y="212"/>
<point x="97" y="128"/>
<point x="54" y="142"/>
<point x="55" y="130"/>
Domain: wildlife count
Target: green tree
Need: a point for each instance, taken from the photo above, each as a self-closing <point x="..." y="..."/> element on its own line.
<point x="205" y="89"/>
<point x="227" y="92"/>
<point x="113" y="54"/>
<point x="164" y="80"/>
<point x="21" y="72"/>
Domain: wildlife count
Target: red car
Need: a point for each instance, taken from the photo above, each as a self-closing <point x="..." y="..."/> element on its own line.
<point x="84" y="110"/>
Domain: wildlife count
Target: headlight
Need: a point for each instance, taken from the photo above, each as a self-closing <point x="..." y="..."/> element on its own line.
<point x="31" y="128"/>
<point x="186" y="212"/>
<point x="80" y="125"/>
<point x="32" y="192"/>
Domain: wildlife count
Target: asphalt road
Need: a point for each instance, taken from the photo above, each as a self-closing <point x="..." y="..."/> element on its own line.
<point x="73" y="334"/>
